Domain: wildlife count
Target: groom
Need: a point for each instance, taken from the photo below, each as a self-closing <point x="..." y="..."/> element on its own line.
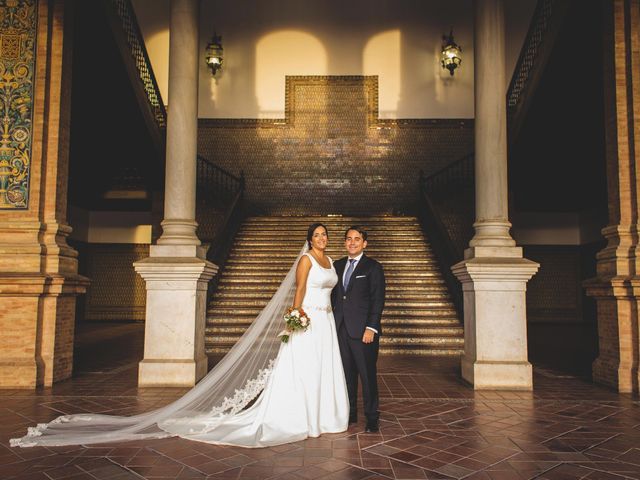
<point x="357" y="301"/>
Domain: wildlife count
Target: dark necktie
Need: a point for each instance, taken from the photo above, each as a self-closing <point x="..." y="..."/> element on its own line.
<point x="347" y="276"/>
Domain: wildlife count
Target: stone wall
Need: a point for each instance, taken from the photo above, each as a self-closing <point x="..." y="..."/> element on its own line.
<point x="331" y="154"/>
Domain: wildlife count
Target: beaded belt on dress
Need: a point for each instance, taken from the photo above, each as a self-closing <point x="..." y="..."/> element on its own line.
<point x="326" y="308"/>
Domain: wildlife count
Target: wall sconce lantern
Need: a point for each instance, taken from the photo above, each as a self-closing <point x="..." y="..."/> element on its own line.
<point x="451" y="53"/>
<point x="213" y="54"/>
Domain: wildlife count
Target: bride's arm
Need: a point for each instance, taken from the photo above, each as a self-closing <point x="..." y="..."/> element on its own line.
<point x="302" y="272"/>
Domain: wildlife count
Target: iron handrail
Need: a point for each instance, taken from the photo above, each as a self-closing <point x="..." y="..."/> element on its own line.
<point x="461" y="170"/>
<point x="229" y="180"/>
<point x="125" y="12"/>
<point x="540" y="21"/>
<point x="218" y="190"/>
<point x="447" y="253"/>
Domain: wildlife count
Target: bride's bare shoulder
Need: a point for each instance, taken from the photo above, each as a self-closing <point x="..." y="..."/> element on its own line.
<point x="305" y="260"/>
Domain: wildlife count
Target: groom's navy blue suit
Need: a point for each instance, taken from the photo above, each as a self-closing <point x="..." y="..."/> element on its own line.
<point x="355" y="308"/>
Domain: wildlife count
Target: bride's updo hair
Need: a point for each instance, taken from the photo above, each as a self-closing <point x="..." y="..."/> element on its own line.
<point x="312" y="228"/>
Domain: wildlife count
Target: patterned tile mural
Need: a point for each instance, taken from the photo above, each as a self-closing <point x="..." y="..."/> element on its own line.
<point x="17" y="63"/>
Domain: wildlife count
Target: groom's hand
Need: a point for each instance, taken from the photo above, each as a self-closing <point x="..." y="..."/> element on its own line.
<point x="368" y="336"/>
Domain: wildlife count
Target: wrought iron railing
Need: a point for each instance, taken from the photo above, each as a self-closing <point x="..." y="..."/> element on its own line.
<point x="219" y="211"/>
<point x="458" y="173"/>
<point x="224" y="184"/>
<point x="135" y="41"/>
<point x="540" y="22"/>
<point x="449" y="234"/>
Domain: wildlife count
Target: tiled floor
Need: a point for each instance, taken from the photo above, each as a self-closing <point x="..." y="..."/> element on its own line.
<point x="432" y="426"/>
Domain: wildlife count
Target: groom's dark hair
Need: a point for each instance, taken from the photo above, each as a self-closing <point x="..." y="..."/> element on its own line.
<point x="312" y="228"/>
<point x="358" y="229"/>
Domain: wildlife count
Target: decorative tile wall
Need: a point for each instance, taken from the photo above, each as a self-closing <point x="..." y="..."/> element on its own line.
<point x="17" y="64"/>
<point x="331" y="154"/>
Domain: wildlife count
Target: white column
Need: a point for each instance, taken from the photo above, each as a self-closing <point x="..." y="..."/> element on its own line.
<point x="494" y="274"/>
<point x="179" y="224"/>
<point x="177" y="272"/>
<point x="492" y="215"/>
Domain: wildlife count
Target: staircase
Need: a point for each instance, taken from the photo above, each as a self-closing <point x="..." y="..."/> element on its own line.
<point x="419" y="317"/>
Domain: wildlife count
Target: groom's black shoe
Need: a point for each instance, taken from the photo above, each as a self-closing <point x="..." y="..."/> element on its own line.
<point x="353" y="418"/>
<point x="372" y="426"/>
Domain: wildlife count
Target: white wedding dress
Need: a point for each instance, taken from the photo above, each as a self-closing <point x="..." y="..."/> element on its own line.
<point x="298" y="388"/>
<point x="306" y="392"/>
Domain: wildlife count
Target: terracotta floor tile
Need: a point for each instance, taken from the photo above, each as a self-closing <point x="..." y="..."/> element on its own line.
<point x="432" y="426"/>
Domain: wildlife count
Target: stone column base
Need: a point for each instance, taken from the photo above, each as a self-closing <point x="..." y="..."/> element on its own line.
<point x="171" y="373"/>
<point x="495" y="319"/>
<point x="176" y="310"/>
<point x="497" y="375"/>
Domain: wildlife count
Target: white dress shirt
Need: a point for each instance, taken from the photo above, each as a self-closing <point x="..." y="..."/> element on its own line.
<point x="344" y="274"/>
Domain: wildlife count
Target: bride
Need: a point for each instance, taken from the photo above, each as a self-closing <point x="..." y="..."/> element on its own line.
<point x="298" y="388"/>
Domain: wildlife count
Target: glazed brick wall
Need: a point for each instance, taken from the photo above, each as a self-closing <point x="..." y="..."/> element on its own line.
<point x="331" y="153"/>
<point x="117" y="292"/>
<point x="62" y="315"/>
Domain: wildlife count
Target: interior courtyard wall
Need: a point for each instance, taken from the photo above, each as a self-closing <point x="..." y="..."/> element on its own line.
<point x="397" y="40"/>
<point x="332" y="154"/>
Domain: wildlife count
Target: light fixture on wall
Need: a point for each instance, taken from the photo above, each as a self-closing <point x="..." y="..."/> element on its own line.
<point x="451" y="53"/>
<point x="213" y="54"/>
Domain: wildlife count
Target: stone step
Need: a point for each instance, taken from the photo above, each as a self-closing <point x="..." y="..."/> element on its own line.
<point x="392" y="341"/>
<point x="292" y="240"/>
<point x="282" y="255"/>
<point x="422" y="352"/>
<point x="334" y="252"/>
<point x="419" y="317"/>
<point x="335" y="229"/>
<point x="266" y="273"/>
<point x="270" y="287"/>
<point x="277" y="274"/>
<point x="286" y="235"/>
<point x="428" y="330"/>
<point x="393" y="351"/>
<point x="288" y="250"/>
<point x="421" y="261"/>
<point x="416" y="266"/>
<point x="387" y="322"/>
<point x="394" y="295"/>
<point x="334" y="220"/>
<point x="249" y="313"/>
<point x="265" y="280"/>
<point x="404" y="305"/>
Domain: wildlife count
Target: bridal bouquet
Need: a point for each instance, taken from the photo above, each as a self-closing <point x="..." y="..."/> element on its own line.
<point x="295" y="319"/>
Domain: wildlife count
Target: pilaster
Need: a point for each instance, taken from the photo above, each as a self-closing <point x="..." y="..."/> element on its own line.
<point x="38" y="269"/>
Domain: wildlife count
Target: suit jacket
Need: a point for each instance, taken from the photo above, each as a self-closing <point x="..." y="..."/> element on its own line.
<point x="361" y="305"/>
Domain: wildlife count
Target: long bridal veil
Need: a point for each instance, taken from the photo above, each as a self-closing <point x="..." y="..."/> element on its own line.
<point x="229" y="387"/>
